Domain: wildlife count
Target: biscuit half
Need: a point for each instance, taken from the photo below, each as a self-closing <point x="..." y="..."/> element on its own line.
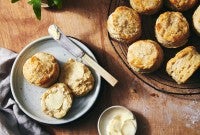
<point x="57" y="100"/>
<point x="184" y="64"/>
<point x="145" y="56"/>
<point x="147" y="7"/>
<point x="124" y="25"/>
<point x="172" y="29"/>
<point x="41" y="69"/>
<point x="77" y="77"/>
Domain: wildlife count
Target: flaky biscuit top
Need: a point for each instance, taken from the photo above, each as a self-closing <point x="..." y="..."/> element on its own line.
<point x="146" y="6"/>
<point x="40" y="69"/>
<point x="172" y="26"/>
<point x="144" y="56"/>
<point x="181" y="5"/>
<point x="124" y="23"/>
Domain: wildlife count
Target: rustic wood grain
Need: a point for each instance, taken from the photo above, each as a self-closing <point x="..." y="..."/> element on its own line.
<point x="157" y="113"/>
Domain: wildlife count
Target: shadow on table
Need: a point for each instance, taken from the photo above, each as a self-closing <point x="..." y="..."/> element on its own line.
<point x="79" y="6"/>
<point x="143" y="127"/>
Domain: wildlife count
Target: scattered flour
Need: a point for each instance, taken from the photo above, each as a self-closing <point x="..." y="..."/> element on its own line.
<point x="189" y="113"/>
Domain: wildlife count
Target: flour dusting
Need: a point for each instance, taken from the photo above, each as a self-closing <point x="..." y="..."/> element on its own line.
<point x="190" y="113"/>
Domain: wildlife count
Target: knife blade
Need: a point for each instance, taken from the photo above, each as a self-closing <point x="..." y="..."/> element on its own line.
<point x="72" y="48"/>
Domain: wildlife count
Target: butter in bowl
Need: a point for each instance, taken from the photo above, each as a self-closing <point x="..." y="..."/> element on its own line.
<point x="117" y="120"/>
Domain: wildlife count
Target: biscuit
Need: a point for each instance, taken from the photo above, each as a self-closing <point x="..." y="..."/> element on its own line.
<point x="196" y="20"/>
<point x="41" y="69"/>
<point x="124" y="25"/>
<point x="145" y="56"/>
<point x="184" y="64"/>
<point x="181" y="5"/>
<point x="77" y="77"/>
<point x="147" y="7"/>
<point x="172" y="29"/>
<point x="57" y="100"/>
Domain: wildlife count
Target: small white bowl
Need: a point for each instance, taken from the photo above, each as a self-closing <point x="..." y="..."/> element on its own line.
<point x="108" y="114"/>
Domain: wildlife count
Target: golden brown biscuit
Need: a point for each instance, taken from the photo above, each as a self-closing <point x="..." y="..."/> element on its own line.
<point x="77" y="77"/>
<point x="184" y="64"/>
<point x="57" y="100"/>
<point x="145" y="56"/>
<point x="147" y="7"/>
<point x="124" y="25"/>
<point x="41" y="69"/>
<point x="172" y="29"/>
<point x="196" y="20"/>
<point x="181" y="5"/>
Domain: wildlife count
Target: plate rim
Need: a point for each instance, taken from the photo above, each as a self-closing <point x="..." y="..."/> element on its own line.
<point x="20" y="54"/>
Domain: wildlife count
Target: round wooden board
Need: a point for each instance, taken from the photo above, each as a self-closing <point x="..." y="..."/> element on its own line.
<point x="159" y="79"/>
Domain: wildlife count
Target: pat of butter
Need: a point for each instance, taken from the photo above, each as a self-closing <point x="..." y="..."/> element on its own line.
<point x="121" y="124"/>
<point x="114" y="126"/>
<point x="53" y="30"/>
<point x="54" y="100"/>
<point x="129" y="127"/>
<point x="117" y="120"/>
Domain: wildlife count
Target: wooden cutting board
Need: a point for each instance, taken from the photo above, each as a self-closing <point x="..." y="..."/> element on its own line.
<point x="157" y="113"/>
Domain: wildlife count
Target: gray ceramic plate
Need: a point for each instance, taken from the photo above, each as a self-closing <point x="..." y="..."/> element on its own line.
<point x="28" y="96"/>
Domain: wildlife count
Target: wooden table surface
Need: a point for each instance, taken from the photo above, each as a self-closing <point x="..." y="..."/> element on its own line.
<point x="157" y="113"/>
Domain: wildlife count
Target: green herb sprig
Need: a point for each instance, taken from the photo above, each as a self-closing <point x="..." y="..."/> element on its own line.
<point x="37" y="5"/>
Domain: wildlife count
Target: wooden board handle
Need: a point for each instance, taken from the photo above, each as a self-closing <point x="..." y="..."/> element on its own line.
<point x="107" y="76"/>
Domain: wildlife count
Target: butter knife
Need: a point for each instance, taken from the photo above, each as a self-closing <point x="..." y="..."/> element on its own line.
<point x="72" y="48"/>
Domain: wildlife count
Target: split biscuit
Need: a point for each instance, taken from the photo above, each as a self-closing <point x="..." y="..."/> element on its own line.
<point x="57" y="100"/>
<point x="77" y="77"/>
<point x="196" y="20"/>
<point x="184" y="64"/>
<point x="147" y="7"/>
<point x="124" y="25"/>
<point x="172" y="29"/>
<point x="145" y="56"/>
<point x="181" y="5"/>
<point x="41" y="69"/>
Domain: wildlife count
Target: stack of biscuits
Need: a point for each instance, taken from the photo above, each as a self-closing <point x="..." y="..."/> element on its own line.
<point x="171" y="31"/>
<point x="75" y="79"/>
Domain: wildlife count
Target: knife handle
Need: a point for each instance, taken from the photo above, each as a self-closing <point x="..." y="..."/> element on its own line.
<point x="107" y="76"/>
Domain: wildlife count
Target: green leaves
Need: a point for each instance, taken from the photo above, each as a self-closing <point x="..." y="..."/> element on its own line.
<point x="57" y="3"/>
<point x="36" y="7"/>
